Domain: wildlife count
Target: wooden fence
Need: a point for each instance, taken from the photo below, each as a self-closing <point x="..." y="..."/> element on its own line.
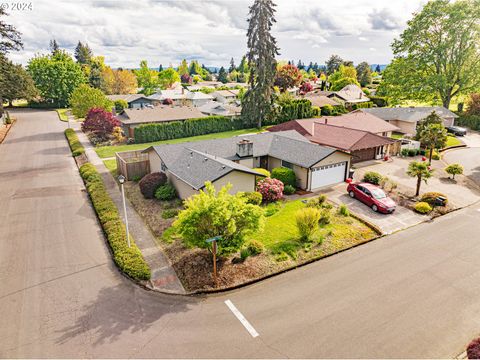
<point x="132" y="164"/>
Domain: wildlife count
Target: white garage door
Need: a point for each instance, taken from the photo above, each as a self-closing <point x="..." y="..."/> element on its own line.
<point x="328" y="175"/>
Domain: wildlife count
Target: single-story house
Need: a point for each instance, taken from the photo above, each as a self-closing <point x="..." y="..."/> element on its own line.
<point x="349" y="95"/>
<point x="134" y="101"/>
<point x="361" y="144"/>
<point x="225" y="96"/>
<point x="232" y="160"/>
<point x="320" y="100"/>
<point x="360" y="121"/>
<point x="213" y="84"/>
<point x="219" y="109"/>
<point x="132" y="118"/>
<point x="197" y="98"/>
<point x="181" y="97"/>
<point x="407" y="118"/>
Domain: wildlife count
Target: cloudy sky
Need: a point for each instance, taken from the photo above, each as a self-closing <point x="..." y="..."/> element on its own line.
<point x="212" y="31"/>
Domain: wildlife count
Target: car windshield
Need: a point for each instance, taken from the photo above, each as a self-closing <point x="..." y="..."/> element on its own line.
<point x="378" y="194"/>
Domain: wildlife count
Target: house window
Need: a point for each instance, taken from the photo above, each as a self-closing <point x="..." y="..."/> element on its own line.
<point x="286" y="164"/>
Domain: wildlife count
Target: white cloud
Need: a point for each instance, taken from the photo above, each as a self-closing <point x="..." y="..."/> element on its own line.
<point x="212" y="31"/>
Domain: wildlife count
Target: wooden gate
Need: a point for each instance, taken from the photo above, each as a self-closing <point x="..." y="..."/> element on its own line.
<point x="132" y="164"/>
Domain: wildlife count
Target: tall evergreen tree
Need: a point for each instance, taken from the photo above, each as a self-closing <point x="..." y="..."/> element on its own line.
<point x="83" y="53"/>
<point x="377" y="69"/>
<point x="232" y="65"/>
<point x="262" y="49"/>
<point x="54" y="48"/>
<point x="222" y="75"/>
<point x="333" y="64"/>
<point x="160" y="68"/>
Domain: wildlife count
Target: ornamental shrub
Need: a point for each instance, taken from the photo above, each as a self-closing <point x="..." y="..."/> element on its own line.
<point x="429" y="197"/>
<point x="210" y="213"/>
<point x="372" y="177"/>
<point x="289" y="190"/>
<point x="100" y="122"/>
<point x="325" y="217"/>
<point x="166" y="192"/>
<point x="317" y="202"/>
<point x="253" y="197"/>
<point x="170" y="213"/>
<point x="75" y="145"/>
<point x="150" y="183"/>
<point x="454" y="169"/>
<point x="343" y="210"/>
<point x="307" y="222"/>
<point x="120" y="105"/>
<point x="285" y="175"/>
<point x="252" y="248"/>
<point x="473" y="349"/>
<point x="404" y="152"/>
<point x="271" y="189"/>
<point x="412" y="152"/>
<point x="327" y="110"/>
<point x="265" y="172"/>
<point x="423" y="207"/>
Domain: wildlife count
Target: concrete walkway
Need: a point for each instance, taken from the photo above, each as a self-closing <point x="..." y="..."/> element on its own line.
<point x="164" y="277"/>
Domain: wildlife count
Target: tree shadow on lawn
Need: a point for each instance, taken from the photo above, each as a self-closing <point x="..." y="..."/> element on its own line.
<point x="122" y="308"/>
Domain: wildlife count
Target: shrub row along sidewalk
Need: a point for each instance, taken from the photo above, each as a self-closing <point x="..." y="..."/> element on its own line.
<point x="128" y="259"/>
<point x="163" y="276"/>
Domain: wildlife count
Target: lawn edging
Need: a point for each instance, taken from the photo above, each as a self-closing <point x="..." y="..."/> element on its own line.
<point x="4" y="134"/>
<point x="62" y="114"/>
<point x="453" y="147"/>
<point x="367" y="223"/>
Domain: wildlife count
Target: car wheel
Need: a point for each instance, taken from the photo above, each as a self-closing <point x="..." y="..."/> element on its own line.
<point x="352" y="194"/>
<point x="374" y="208"/>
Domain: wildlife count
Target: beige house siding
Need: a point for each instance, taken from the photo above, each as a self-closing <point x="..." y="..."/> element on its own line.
<point x="300" y="172"/>
<point x="336" y="157"/>
<point x="449" y="121"/>
<point x="240" y="182"/>
<point x="273" y="163"/>
<point x="405" y="126"/>
<point x="183" y="189"/>
<point x="247" y="163"/>
<point x="155" y="161"/>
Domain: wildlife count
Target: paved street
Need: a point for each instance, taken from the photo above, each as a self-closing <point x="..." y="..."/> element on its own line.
<point x="469" y="157"/>
<point x="411" y="294"/>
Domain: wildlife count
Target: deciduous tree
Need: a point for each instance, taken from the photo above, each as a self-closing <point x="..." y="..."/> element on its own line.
<point x="287" y="77"/>
<point x="147" y="79"/>
<point x="85" y="98"/>
<point x="119" y="81"/>
<point x="333" y="64"/>
<point x="15" y="82"/>
<point x="364" y="74"/>
<point x="167" y="78"/>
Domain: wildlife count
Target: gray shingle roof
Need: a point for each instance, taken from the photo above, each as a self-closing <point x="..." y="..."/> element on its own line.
<point x="409" y="114"/>
<point x="187" y="160"/>
<point x="127" y="97"/>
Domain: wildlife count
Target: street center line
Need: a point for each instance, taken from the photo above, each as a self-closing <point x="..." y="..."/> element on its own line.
<point x="242" y="319"/>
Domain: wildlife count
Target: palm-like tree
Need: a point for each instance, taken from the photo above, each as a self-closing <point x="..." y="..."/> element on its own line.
<point x="421" y="171"/>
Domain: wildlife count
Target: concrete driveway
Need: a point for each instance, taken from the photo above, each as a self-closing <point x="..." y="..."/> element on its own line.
<point x="469" y="157"/>
<point x="402" y="218"/>
<point x="459" y="194"/>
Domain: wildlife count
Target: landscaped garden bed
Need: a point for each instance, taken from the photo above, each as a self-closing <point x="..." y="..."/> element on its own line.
<point x="279" y="240"/>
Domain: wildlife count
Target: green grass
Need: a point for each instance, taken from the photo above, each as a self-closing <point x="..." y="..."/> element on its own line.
<point x="453" y="141"/>
<point x="109" y="151"/>
<point x="396" y="136"/>
<point x="111" y="165"/>
<point x="62" y="114"/>
<point x="453" y="104"/>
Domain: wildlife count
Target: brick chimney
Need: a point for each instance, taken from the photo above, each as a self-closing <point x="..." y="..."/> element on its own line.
<point x="245" y="148"/>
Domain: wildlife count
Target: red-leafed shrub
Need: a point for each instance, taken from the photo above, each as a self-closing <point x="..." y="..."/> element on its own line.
<point x="186" y="79"/>
<point x="306" y="87"/>
<point x="473" y="349"/>
<point x="151" y="182"/>
<point x="167" y="101"/>
<point x="271" y="189"/>
<point x="100" y="122"/>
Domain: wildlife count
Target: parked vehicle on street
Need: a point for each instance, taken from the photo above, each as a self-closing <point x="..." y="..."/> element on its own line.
<point x="372" y="196"/>
<point x="456" y="130"/>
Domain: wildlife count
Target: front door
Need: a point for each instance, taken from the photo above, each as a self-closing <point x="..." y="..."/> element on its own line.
<point x="264" y="162"/>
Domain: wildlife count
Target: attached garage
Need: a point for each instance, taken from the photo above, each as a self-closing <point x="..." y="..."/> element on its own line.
<point x="327" y="175"/>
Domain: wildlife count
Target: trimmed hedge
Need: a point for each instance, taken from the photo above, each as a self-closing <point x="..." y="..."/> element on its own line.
<point x="285" y="175"/>
<point x="191" y="127"/>
<point x="75" y="144"/>
<point x="128" y="259"/>
<point x="296" y="109"/>
<point x="470" y="121"/>
<point x="372" y="177"/>
<point x="362" y="105"/>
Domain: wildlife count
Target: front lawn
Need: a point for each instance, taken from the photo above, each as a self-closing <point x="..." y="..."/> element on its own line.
<point x="109" y="151"/>
<point x="111" y="165"/>
<point x="453" y="141"/>
<point x="62" y="114"/>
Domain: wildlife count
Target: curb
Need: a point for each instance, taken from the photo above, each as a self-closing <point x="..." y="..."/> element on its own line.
<point x="8" y="129"/>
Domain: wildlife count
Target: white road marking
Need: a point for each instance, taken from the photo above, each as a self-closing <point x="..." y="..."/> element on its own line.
<point x="242" y="319"/>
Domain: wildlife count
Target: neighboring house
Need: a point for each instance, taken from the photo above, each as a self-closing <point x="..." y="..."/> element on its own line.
<point x="134" y="101"/>
<point x="181" y="97"/>
<point x="349" y="95"/>
<point x="213" y="84"/>
<point x="361" y="144"/>
<point x="360" y="121"/>
<point x="197" y="98"/>
<point x="220" y="109"/>
<point x="189" y="165"/>
<point x="407" y="118"/>
<point x="320" y="100"/>
<point x="131" y="118"/>
<point x="233" y="85"/>
<point x="225" y="96"/>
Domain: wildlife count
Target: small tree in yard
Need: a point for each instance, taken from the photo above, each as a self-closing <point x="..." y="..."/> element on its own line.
<point x="433" y="136"/>
<point x="212" y="213"/>
<point x="421" y="171"/>
<point x="307" y="222"/>
<point x="85" y="98"/>
<point x="454" y="169"/>
<point x="100" y="122"/>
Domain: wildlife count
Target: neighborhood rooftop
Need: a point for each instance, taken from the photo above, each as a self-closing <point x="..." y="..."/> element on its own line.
<point x="159" y="114"/>
<point x="359" y="120"/>
<point x="410" y="114"/>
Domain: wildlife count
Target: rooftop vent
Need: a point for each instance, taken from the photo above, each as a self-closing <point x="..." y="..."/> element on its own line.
<point x="245" y="148"/>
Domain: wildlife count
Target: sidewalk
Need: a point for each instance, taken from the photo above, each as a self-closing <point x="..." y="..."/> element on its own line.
<point x="163" y="278"/>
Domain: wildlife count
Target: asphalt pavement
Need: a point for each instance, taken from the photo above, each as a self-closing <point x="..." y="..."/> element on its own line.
<point x="412" y="294"/>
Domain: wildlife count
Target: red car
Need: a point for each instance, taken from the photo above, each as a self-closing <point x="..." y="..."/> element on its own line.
<point x="372" y="196"/>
